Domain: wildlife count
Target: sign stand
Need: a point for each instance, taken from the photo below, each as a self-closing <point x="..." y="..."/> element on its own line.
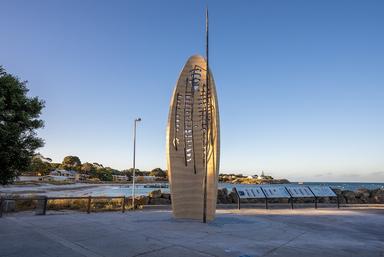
<point x="1" y="207"/>
<point x="250" y="194"/>
<point x="314" y="196"/>
<point x="291" y="199"/>
<point x="323" y="191"/>
<point x="269" y="195"/>
<point x="338" y="202"/>
<point x="238" y="198"/>
<point x="289" y="192"/>
<point x="266" y="200"/>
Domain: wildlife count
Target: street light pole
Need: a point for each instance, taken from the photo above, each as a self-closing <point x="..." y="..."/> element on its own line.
<point x="134" y="162"/>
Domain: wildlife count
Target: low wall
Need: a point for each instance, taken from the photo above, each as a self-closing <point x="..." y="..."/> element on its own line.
<point x="224" y="197"/>
<point x="361" y="196"/>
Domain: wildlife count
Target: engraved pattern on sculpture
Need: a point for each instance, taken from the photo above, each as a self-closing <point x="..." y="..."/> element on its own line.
<point x="193" y="124"/>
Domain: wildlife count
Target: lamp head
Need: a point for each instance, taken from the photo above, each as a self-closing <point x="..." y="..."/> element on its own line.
<point x="138" y="119"/>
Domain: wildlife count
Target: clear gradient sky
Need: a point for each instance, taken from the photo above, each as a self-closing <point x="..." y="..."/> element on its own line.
<point x="300" y="83"/>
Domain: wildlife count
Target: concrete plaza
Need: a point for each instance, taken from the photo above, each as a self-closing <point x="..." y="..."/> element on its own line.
<point x="249" y="232"/>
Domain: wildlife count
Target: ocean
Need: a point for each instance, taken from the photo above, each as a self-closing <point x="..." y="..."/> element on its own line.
<point x="353" y="186"/>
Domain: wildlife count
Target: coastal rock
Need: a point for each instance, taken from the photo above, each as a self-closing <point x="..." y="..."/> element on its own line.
<point x="159" y="201"/>
<point x="155" y="194"/>
<point x="236" y="181"/>
<point x="142" y="200"/>
<point x="377" y="196"/>
<point x="222" y="195"/>
<point x="363" y="195"/>
<point x="166" y="196"/>
<point x="338" y="192"/>
<point x="232" y="197"/>
<point x="350" y="196"/>
<point x="363" y="192"/>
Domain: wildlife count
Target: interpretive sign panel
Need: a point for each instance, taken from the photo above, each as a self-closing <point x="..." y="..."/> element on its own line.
<point x="251" y="192"/>
<point x="322" y="191"/>
<point x="275" y="192"/>
<point x="299" y="191"/>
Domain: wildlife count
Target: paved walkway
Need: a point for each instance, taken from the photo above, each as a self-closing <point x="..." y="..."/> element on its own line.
<point x="249" y="232"/>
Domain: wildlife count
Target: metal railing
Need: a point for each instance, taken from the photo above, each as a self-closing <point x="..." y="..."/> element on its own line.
<point x="44" y="200"/>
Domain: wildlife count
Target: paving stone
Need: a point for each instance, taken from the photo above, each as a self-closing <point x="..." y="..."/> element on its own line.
<point x="248" y="232"/>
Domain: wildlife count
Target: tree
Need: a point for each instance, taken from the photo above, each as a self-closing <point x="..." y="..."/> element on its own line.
<point x="130" y="171"/>
<point x="104" y="174"/>
<point x="39" y="167"/>
<point x="55" y="166"/>
<point x="19" y="119"/>
<point x="158" y="173"/>
<point x="87" y="168"/>
<point x="71" y="163"/>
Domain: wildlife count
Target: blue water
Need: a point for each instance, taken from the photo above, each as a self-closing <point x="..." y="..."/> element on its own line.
<point x="353" y="186"/>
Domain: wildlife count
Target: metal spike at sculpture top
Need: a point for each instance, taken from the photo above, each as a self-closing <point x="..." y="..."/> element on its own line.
<point x="193" y="140"/>
<point x="206" y="117"/>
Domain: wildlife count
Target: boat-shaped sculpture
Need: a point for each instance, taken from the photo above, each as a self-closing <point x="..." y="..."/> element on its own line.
<point x="193" y="142"/>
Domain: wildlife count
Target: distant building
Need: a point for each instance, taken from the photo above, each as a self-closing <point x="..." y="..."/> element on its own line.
<point x="119" y="178"/>
<point x="145" y="178"/>
<point x="28" y="178"/>
<point x="62" y="175"/>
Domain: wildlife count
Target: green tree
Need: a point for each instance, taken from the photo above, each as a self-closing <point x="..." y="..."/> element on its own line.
<point x="55" y="166"/>
<point x="87" y="168"/>
<point x="37" y="166"/>
<point x="71" y="163"/>
<point x="158" y="173"/>
<point x="19" y="119"/>
<point x="130" y="171"/>
<point x="104" y="174"/>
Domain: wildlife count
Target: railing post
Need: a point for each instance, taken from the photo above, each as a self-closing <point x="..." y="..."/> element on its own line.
<point x="291" y="197"/>
<point x="45" y="205"/>
<point x="1" y="207"/>
<point x="123" y="205"/>
<point x="89" y="204"/>
<point x="338" y="202"/>
<point x="315" y="202"/>
<point x="238" y="198"/>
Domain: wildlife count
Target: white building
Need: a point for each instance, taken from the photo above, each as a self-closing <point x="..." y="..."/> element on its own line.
<point x="62" y="175"/>
<point x="145" y="178"/>
<point x="119" y="178"/>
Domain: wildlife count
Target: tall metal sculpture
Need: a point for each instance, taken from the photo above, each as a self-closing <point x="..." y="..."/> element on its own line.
<point x="193" y="141"/>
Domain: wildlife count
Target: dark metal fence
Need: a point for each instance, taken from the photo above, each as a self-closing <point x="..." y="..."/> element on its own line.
<point x="43" y="201"/>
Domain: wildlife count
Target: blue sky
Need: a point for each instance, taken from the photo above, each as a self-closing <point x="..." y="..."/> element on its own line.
<point x="300" y="83"/>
